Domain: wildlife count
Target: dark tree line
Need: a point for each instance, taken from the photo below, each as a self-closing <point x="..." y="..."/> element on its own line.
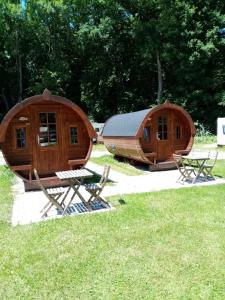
<point x="115" y="56"/>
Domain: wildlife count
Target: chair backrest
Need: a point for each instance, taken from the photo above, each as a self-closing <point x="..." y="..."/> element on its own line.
<point x="178" y="161"/>
<point x="105" y="175"/>
<point x="40" y="184"/>
<point x="213" y="157"/>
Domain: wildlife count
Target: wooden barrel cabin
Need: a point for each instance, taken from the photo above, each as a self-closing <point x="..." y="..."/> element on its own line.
<point x="46" y="132"/>
<point x="150" y="136"/>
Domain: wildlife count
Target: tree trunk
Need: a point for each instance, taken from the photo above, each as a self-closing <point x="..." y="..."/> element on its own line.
<point x="5" y="100"/>
<point x="19" y="68"/>
<point x="159" y="68"/>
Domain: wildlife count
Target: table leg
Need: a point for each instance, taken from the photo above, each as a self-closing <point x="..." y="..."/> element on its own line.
<point x="200" y="170"/>
<point x="86" y="204"/>
<point x="75" y="185"/>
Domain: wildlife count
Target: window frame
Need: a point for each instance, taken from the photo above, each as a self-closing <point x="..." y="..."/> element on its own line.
<point x="47" y="124"/>
<point x="22" y="126"/>
<point x="70" y="136"/>
<point x="163" y="123"/>
<point x="178" y="132"/>
<point x="147" y="138"/>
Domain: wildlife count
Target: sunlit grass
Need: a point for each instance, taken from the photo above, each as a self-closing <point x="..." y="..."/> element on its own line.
<point x="209" y="139"/>
<point x="6" y="179"/>
<point x="207" y="143"/>
<point x="99" y="147"/>
<point x="122" y="167"/>
<point x="162" y="245"/>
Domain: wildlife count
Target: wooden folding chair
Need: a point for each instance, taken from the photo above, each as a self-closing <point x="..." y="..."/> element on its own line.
<point x="95" y="189"/>
<point x="208" y="167"/>
<point x="53" y="195"/>
<point x="185" y="171"/>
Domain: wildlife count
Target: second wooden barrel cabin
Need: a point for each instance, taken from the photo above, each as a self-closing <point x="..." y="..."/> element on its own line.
<point x="151" y="136"/>
<point x="46" y="132"/>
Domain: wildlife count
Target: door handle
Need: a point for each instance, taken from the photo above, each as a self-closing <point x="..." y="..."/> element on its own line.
<point x="38" y="139"/>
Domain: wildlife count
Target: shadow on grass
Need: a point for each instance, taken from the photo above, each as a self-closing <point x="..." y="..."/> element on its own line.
<point x="95" y="178"/>
<point x="122" y="201"/>
<point x="134" y="163"/>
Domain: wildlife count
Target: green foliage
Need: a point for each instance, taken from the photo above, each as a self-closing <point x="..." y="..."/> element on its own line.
<point x="102" y="54"/>
<point x="201" y="130"/>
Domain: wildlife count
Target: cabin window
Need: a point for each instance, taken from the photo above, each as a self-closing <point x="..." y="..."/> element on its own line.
<point x="146" y="134"/>
<point x="20" y="138"/>
<point x="47" y="129"/>
<point x="178" y="131"/>
<point x="73" y="135"/>
<point x="162" y="128"/>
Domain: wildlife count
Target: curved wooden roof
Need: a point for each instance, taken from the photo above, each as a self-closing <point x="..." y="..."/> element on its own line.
<point x="124" y="124"/>
<point x="40" y="98"/>
<point x="131" y="124"/>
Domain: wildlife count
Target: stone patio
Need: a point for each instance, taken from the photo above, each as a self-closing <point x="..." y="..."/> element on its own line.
<point x="27" y="206"/>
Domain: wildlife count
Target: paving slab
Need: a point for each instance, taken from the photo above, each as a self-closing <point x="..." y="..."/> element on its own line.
<point x="27" y="205"/>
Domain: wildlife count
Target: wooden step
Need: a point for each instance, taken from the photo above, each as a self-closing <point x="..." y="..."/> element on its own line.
<point x="160" y="166"/>
<point x="47" y="182"/>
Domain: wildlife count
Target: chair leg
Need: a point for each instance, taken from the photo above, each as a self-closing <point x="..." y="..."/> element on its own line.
<point x="52" y="202"/>
<point x="96" y="195"/>
<point x="106" y="204"/>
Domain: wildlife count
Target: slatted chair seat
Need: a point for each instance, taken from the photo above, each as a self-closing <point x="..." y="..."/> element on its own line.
<point x="57" y="190"/>
<point x="95" y="189"/>
<point x="208" y="167"/>
<point x="93" y="186"/>
<point x="53" y="195"/>
<point x="186" y="172"/>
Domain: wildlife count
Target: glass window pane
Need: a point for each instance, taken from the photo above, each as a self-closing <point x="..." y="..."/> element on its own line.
<point x="177" y="132"/>
<point x="20" y="138"/>
<point x="51" y="118"/>
<point x="146" y="133"/>
<point x="73" y="135"/>
<point x="20" y="133"/>
<point x="52" y="134"/>
<point x="47" y="129"/>
<point x="43" y="117"/>
<point x="43" y="139"/>
<point x="43" y="128"/>
<point x="162" y="128"/>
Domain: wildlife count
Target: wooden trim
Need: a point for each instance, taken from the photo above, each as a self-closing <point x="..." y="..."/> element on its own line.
<point x="75" y="162"/>
<point x="166" y="105"/>
<point x="73" y="126"/>
<point x="23" y="168"/>
<point x="14" y="128"/>
<point x="40" y="98"/>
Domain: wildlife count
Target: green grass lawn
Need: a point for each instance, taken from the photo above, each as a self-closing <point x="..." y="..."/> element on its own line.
<point x="206" y="143"/>
<point x="99" y="147"/>
<point x="121" y="167"/>
<point x="6" y="180"/>
<point x="209" y="139"/>
<point x="162" y="245"/>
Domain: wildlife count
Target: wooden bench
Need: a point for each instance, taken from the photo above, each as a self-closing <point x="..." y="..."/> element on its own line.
<point x="76" y="162"/>
<point x="182" y="152"/>
<point x="23" y="168"/>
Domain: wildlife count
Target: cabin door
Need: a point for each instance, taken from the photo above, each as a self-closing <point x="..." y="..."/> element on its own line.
<point x="47" y="143"/>
<point x="163" y="137"/>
